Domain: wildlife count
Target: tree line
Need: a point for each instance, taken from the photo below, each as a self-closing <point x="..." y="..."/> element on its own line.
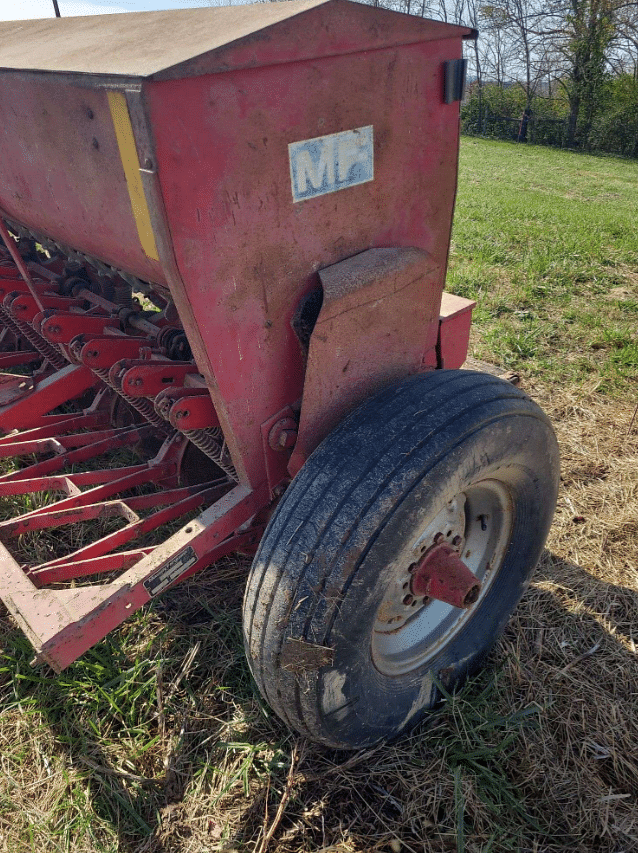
<point x="569" y="68"/>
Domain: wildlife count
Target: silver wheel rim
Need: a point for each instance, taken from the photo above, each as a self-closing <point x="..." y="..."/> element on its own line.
<point x="409" y="631"/>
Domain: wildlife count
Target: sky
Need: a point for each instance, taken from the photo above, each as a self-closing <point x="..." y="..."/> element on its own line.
<point x="17" y="10"/>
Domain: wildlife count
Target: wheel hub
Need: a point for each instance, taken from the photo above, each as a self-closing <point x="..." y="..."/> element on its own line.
<point x="402" y="601"/>
<point x="443" y="576"/>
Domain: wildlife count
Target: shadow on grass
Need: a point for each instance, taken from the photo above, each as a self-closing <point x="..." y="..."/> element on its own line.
<point x="160" y="723"/>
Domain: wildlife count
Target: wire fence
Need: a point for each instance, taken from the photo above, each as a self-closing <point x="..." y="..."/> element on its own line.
<point x="534" y="129"/>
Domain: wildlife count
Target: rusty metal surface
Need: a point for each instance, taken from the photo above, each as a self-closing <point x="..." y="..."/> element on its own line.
<point x="455" y="320"/>
<point x="61" y="171"/>
<point x="14" y="387"/>
<point x="377" y="320"/>
<point x="136" y="44"/>
<point x="247" y="252"/>
<point x="443" y="576"/>
<point x="277" y="460"/>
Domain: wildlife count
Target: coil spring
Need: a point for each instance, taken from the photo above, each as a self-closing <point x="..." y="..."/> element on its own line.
<point x="140" y="404"/>
<point x="8" y="321"/>
<point x="46" y="350"/>
<point x="209" y="441"/>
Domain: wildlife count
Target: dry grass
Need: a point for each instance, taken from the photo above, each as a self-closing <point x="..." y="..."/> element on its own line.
<point x="156" y="742"/>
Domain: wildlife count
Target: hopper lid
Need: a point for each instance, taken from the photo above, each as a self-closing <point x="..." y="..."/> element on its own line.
<point x="188" y="42"/>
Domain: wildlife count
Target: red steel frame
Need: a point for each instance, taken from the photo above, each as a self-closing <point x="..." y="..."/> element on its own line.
<point x="62" y="623"/>
<point x="75" y="619"/>
<point x="238" y="256"/>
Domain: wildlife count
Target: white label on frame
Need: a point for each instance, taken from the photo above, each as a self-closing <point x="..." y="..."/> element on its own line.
<point x="169" y="572"/>
<point x="330" y="163"/>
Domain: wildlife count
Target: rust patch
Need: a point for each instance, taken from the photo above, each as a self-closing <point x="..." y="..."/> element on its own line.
<point x="379" y="315"/>
<point x="14" y="387"/>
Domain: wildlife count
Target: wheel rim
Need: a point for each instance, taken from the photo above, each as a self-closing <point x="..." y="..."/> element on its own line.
<point x="408" y="631"/>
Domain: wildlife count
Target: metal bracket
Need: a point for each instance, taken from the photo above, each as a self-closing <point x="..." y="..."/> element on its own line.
<point x="455" y="75"/>
<point x="377" y="320"/>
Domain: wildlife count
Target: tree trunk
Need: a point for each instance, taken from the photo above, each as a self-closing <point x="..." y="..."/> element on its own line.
<point x="572" y="122"/>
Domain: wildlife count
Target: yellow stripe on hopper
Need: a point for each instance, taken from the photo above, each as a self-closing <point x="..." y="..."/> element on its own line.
<point x="128" y="155"/>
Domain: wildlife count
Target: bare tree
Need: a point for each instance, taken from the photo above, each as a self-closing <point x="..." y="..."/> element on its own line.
<point x="542" y="45"/>
<point x="624" y="53"/>
<point x="498" y="43"/>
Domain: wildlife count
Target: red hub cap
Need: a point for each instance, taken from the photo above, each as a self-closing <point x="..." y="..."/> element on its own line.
<point x="442" y="575"/>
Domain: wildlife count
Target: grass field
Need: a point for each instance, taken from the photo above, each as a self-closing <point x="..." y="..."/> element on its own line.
<point x="155" y="742"/>
<point x="547" y="243"/>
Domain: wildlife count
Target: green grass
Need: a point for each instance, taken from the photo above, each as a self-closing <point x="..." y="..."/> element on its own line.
<point x="547" y="243"/>
<point x="128" y="730"/>
<point x="121" y="765"/>
<point x="155" y="740"/>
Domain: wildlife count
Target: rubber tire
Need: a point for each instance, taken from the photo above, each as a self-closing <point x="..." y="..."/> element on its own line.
<point x="321" y="569"/>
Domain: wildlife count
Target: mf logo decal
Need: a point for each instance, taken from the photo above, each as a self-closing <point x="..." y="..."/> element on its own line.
<point x="329" y="163"/>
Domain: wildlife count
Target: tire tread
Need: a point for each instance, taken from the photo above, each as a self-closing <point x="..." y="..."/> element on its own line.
<point x="414" y="414"/>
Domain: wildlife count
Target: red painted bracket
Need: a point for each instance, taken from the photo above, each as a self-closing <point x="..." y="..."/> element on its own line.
<point x="16" y="286"/>
<point x="9" y="273"/>
<point x="149" y="378"/>
<point x="24" y="307"/>
<point x="62" y="328"/>
<point x="100" y="352"/>
<point x="455" y="320"/>
<point x="193" y="412"/>
<point x="63" y="623"/>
